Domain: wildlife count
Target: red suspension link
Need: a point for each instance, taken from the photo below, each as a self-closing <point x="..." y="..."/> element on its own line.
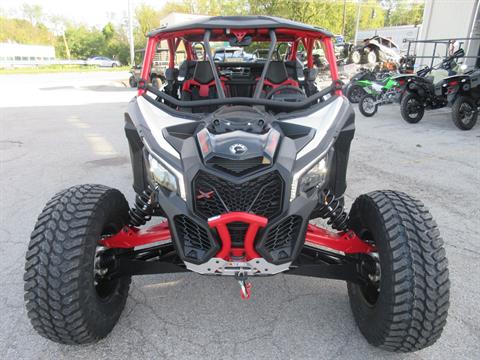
<point x="347" y="242"/>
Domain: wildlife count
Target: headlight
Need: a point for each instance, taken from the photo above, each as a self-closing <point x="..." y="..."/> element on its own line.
<point x="161" y="175"/>
<point x="315" y="176"/>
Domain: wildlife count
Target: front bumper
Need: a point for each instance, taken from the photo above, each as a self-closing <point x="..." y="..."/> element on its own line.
<point x="198" y="239"/>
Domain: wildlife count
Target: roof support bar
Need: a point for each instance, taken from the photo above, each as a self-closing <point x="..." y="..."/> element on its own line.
<point x="271" y="49"/>
<point x="208" y="51"/>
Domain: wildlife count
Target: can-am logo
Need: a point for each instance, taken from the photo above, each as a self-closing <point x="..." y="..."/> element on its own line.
<point x="238" y="149"/>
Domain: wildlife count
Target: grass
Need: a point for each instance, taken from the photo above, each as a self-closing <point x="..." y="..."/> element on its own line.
<point x="60" y="69"/>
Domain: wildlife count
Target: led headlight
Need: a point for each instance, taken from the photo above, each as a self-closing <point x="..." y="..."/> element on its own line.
<point x="313" y="177"/>
<point x="161" y="175"/>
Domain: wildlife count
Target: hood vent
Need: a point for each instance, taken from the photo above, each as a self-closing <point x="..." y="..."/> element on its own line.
<point x="239" y="167"/>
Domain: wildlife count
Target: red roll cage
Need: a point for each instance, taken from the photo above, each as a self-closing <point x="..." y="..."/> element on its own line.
<point x="189" y="36"/>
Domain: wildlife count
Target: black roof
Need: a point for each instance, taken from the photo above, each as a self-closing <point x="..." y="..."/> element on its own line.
<point x="239" y="22"/>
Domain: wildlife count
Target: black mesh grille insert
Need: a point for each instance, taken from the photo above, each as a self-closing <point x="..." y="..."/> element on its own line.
<point x="262" y="196"/>
<point x="238" y="167"/>
<point x="237" y="232"/>
<point x="194" y="237"/>
<point x="281" y="238"/>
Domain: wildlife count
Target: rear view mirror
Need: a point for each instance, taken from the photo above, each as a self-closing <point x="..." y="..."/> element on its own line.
<point x="246" y="40"/>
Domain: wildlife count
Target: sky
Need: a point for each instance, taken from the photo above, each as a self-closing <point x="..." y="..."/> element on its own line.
<point x="91" y="12"/>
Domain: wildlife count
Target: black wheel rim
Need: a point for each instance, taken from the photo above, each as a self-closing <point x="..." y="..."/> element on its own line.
<point x="370" y="271"/>
<point x="466" y="113"/>
<point x="104" y="286"/>
<point x="413" y="107"/>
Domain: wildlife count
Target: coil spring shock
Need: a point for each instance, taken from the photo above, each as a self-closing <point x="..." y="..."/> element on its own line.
<point x="143" y="209"/>
<point x="332" y="209"/>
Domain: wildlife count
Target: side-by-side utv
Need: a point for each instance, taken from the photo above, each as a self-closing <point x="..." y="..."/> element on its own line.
<point x="242" y="161"/>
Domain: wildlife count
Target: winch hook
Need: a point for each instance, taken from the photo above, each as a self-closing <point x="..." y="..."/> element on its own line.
<point x="245" y="286"/>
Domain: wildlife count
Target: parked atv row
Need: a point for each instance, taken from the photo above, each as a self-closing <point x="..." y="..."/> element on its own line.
<point x="441" y="86"/>
<point x="430" y="88"/>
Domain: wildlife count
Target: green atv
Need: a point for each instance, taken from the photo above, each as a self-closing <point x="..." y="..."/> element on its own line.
<point x="377" y="93"/>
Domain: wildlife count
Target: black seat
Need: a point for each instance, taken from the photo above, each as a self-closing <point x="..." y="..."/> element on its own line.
<point x="277" y="72"/>
<point x="277" y="75"/>
<point x="203" y="73"/>
<point x="200" y="87"/>
<point x="186" y="70"/>
<point x="295" y="70"/>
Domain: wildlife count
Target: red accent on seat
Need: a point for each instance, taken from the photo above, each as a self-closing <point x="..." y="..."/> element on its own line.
<point x="290" y="82"/>
<point x="220" y="224"/>
<point x="347" y="242"/>
<point x="204" y="89"/>
<point x="130" y="237"/>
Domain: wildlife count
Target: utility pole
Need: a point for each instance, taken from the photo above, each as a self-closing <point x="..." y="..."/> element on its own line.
<point x="67" y="50"/>
<point x="344" y="15"/>
<point x="358" y="21"/>
<point x="130" y="33"/>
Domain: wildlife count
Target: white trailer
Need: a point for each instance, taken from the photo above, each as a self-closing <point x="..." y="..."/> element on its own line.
<point x="19" y="55"/>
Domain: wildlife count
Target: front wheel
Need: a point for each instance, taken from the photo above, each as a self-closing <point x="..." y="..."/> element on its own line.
<point x="133" y="81"/>
<point x="464" y="113"/>
<point x="356" y="57"/>
<point x="355" y="93"/>
<point x="68" y="299"/>
<point x="372" y="57"/>
<point x="368" y="106"/>
<point x="403" y="303"/>
<point x="411" y="108"/>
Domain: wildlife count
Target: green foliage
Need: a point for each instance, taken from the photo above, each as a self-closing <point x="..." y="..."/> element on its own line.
<point x="108" y="31"/>
<point x="22" y="31"/>
<point x="33" y="13"/>
<point x="148" y="18"/>
<point x="404" y="13"/>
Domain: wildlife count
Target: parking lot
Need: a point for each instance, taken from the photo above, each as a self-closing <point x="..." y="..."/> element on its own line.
<point x="65" y="129"/>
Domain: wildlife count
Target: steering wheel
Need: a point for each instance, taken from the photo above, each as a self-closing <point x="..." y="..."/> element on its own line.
<point x="287" y="93"/>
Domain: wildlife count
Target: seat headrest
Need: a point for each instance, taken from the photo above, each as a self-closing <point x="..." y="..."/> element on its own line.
<point x="203" y="72"/>
<point x="185" y="71"/>
<point x="277" y="72"/>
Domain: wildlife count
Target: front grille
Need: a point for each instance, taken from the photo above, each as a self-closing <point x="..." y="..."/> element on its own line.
<point x="280" y="240"/>
<point x="238" y="167"/>
<point x="237" y="232"/>
<point x="193" y="237"/>
<point x="262" y="195"/>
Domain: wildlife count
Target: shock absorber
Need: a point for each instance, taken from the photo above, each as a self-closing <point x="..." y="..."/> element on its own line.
<point x="332" y="209"/>
<point x="143" y="208"/>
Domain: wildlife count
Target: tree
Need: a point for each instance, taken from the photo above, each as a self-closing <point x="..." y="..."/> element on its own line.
<point x="108" y="31"/>
<point x="33" y="13"/>
<point x="23" y="32"/>
<point x="147" y="17"/>
<point x="403" y="12"/>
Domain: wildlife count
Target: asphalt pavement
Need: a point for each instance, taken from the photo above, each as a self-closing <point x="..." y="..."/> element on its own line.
<point x="64" y="129"/>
